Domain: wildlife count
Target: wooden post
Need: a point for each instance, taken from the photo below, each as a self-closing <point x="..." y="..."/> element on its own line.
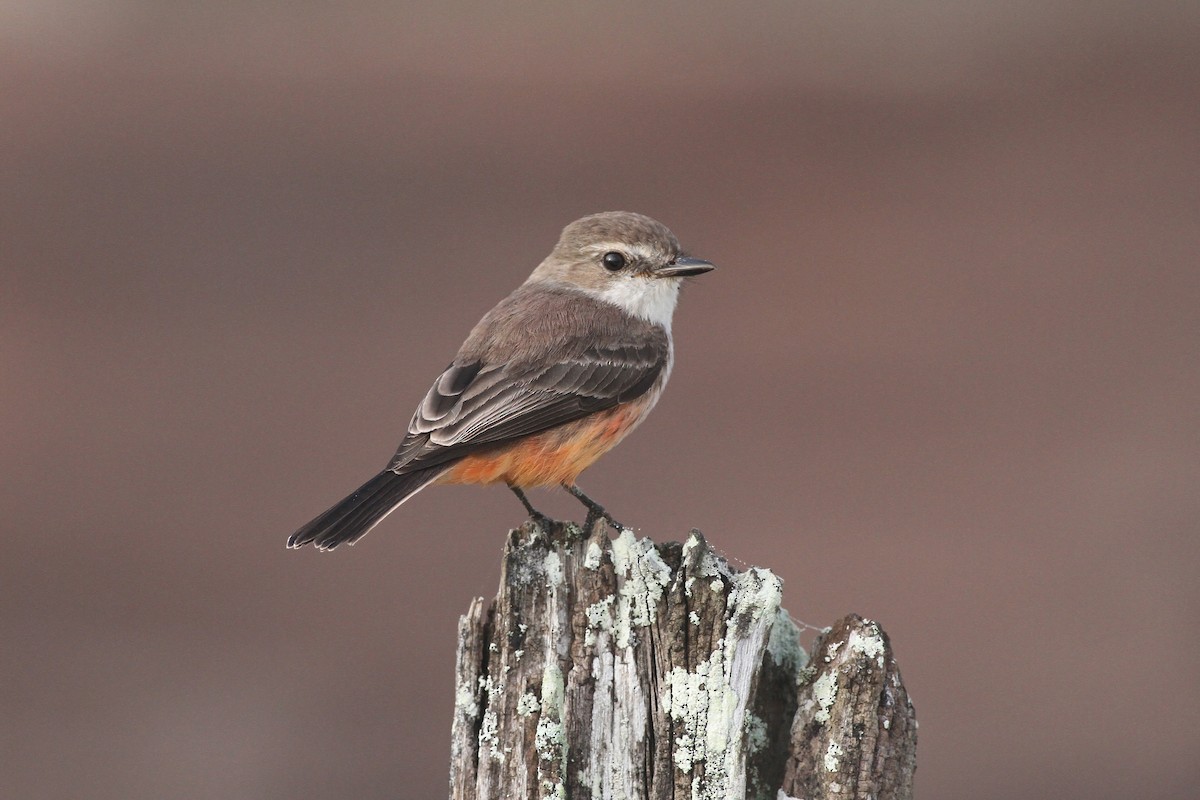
<point x="623" y="669"/>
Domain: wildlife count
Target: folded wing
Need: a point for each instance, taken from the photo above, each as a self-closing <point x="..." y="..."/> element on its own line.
<point x="474" y="405"/>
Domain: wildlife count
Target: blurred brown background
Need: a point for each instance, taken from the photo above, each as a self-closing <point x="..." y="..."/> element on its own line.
<point x="946" y="376"/>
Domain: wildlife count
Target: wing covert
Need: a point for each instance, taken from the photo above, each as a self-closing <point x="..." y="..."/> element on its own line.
<point x="474" y="405"/>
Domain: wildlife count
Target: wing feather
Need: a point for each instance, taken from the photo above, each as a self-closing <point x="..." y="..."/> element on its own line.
<point x="473" y="405"/>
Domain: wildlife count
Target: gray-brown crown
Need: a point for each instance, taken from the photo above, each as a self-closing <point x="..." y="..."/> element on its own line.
<point x="623" y="227"/>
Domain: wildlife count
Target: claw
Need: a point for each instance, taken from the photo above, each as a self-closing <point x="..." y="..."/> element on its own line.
<point x="595" y="510"/>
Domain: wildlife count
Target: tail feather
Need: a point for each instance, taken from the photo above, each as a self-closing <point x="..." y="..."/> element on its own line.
<point x="349" y="520"/>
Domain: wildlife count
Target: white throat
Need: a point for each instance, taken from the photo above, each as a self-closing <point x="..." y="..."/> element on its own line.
<point x="652" y="299"/>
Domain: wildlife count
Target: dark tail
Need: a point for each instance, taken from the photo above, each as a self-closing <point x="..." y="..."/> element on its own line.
<point x="349" y="520"/>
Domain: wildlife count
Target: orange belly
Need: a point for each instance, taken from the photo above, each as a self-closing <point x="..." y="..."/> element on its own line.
<point x="551" y="457"/>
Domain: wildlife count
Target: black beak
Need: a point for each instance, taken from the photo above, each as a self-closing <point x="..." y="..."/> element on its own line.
<point x="684" y="266"/>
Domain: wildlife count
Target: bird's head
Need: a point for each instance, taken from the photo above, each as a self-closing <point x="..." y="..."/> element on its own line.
<point x="623" y="258"/>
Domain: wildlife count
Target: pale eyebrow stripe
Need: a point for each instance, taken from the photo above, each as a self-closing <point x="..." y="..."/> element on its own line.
<point x="637" y="249"/>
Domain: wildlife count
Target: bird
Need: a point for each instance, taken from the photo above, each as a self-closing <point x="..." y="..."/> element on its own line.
<point x="549" y="380"/>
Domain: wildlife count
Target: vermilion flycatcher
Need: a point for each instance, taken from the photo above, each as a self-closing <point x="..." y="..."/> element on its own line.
<point x="547" y="382"/>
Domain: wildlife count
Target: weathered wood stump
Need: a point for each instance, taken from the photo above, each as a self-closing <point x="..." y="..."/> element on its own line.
<point x="624" y="669"/>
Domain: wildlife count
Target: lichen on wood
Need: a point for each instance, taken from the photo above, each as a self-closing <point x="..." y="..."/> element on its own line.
<point x="618" y="668"/>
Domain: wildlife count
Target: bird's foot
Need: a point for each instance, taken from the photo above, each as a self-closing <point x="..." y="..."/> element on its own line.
<point x="544" y="522"/>
<point x="595" y="510"/>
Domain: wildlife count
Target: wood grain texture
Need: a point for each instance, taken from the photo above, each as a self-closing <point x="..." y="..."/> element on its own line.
<point x="855" y="731"/>
<point x="624" y="669"/>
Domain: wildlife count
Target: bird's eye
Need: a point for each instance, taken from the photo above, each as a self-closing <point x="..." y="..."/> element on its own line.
<point x="613" y="261"/>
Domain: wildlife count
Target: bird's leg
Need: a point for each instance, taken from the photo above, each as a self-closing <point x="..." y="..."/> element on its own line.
<point x="595" y="510"/>
<point x="534" y="514"/>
